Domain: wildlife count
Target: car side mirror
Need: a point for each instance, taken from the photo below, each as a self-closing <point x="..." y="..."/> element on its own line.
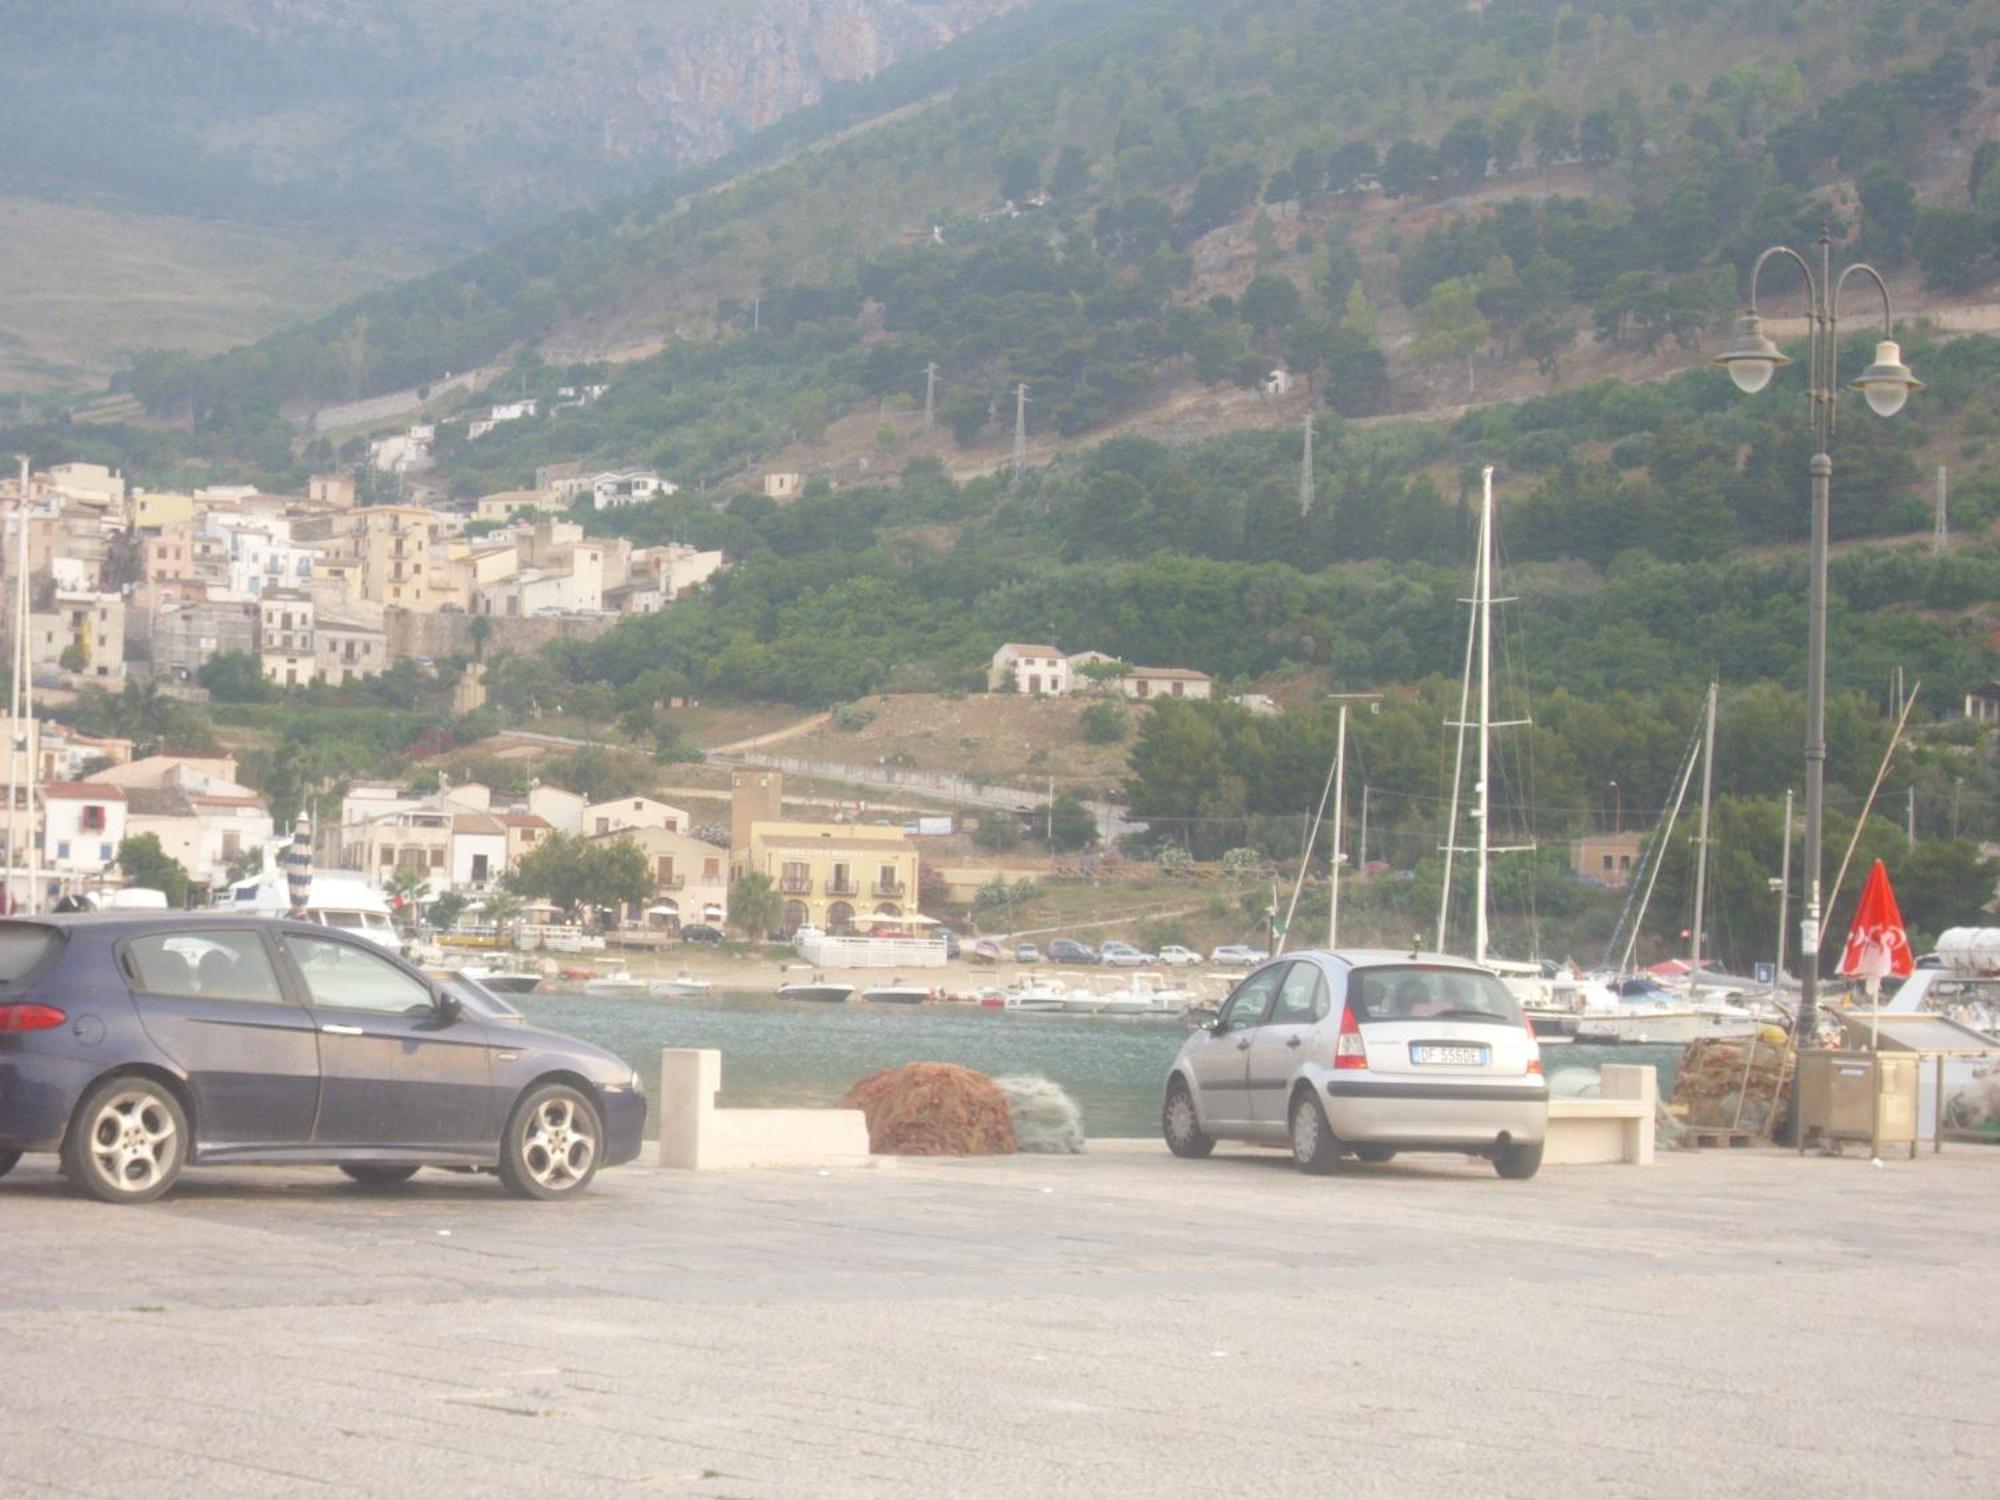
<point x="451" y="1008"/>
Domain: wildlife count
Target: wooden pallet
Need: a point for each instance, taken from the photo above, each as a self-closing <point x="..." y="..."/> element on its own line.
<point x="1699" y="1137"/>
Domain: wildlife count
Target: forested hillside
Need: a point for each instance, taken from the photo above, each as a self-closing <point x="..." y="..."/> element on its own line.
<point x="1391" y="201"/>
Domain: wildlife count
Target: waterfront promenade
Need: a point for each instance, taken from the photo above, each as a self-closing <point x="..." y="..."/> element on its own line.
<point x="1742" y="1323"/>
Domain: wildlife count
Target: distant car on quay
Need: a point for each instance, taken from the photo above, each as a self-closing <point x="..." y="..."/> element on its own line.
<point x="1027" y="953"/>
<point x="1174" y="956"/>
<point x="1238" y="955"/>
<point x="134" y="1045"/>
<point x="1123" y="955"/>
<point x="1070" y="951"/>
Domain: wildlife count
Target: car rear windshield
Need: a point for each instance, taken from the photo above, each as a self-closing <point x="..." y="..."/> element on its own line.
<point x="1429" y="992"/>
<point x="24" y="948"/>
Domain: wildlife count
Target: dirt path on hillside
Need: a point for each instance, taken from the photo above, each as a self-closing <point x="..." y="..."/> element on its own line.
<point x="773" y="737"/>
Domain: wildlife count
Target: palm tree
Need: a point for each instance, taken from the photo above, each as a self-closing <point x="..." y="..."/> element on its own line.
<point x="755" y="905"/>
<point x="503" y="910"/>
<point x="406" y="889"/>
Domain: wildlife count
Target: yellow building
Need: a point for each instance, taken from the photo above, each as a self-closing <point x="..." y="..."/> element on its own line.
<point x="153" y="510"/>
<point x="831" y="874"/>
<point x="395" y="550"/>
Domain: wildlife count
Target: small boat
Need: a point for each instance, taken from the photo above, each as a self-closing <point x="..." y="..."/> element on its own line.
<point x="1140" y="994"/>
<point x="615" y="984"/>
<point x="897" y="991"/>
<point x="1034" y="995"/>
<point x="502" y="981"/>
<point x="818" y="989"/>
<point x="681" y="987"/>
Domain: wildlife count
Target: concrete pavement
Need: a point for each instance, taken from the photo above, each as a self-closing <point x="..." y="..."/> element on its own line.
<point x="1124" y="1323"/>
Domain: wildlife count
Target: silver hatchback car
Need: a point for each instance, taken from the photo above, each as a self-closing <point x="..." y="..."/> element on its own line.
<point x="1367" y="1053"/>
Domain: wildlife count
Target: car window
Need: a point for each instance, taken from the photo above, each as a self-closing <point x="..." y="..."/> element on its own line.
<point x="1430" y="992"/>
<point x="1302" y="998"/>
<point x="342" y="976"/>
<point x="1245" y="1008"/>
<point x="213" y="963"/>
<point x="24" y="947"/>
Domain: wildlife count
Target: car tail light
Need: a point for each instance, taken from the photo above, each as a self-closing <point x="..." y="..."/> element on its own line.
<point x="30" y="1018"/>
<point x="1350" y="1051"/>
<point x="1534" y="1046"/>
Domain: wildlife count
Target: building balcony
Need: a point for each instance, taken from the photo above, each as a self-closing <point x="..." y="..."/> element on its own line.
<point x="671" y="883"/>
<point x="795" y="885"/>
<point x="843" y="885"/>
<point x="890" y="888"/>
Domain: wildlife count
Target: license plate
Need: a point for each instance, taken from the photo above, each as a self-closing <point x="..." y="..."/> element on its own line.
<point x="1457" y="1057"/>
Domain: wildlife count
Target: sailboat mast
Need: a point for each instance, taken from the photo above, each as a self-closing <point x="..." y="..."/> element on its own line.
<point x="14" y="726"/>
<point x="1484" y="592"/>
<point x="1339" y="816"/>
<point x="1701" y="835"/>
<point x="1457" y="780"/>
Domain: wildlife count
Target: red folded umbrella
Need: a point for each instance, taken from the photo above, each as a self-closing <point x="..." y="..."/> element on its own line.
<point x="1877" y="945"/>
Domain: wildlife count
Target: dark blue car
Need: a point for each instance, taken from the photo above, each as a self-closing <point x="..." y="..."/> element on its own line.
<point x="135" y="1044"/>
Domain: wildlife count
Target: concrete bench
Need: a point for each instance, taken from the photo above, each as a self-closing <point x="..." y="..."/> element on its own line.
<point x="697" y="1136"/>
<point x="1617" y="1126"/>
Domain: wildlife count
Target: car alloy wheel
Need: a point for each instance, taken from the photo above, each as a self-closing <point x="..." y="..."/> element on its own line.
<point x="128" y="1143"/>
<point x="1182" y="1126"/>
<point x="552" y="1144"/>
<point x="1314" y="1148"/>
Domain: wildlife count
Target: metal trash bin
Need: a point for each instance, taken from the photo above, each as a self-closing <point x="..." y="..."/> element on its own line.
<point x="1857" y="1096"/>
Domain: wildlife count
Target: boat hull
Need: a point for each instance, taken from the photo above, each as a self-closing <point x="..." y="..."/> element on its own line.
<point x="819" y="994"/>
<point x="1670" y="1028"/>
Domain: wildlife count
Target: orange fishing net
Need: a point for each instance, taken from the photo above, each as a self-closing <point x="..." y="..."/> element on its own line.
<point x="933" y="1109"/>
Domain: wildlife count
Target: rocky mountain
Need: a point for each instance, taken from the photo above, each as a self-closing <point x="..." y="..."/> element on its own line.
<point x="446" y="118"/>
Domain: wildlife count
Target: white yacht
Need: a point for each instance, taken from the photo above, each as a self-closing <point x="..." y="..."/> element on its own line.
<point x="681" y="987"/>
<point x="338" y="898"/>
<point x="616" y="983"/>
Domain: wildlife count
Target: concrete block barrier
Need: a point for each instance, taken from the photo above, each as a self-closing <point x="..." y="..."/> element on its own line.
<point x="697" y="1136"/>
<point x="1617" y="1126"/>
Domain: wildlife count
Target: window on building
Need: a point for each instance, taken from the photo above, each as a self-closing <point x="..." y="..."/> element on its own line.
<point x="711" y="869"/>
<point x="437" y="859"/>
<point x="93" y="818"/>
<point x="104" y="852"/>
<point x="604" y="825"/>
<point x="388" y="854"/>
<point x="62" y="849"/>
<point x="1607" y="864"/>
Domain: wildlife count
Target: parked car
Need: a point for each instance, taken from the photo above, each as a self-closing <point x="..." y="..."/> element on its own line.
<point x="987" y="951"/>
<point x="1174" y="956"/>
<point x="701" y="932"/>
<point x="1124" y="955"/>
<point x="138" y="1044"/>
<point x="1238" y="955"/>
<point x="1070" y="951"/>
<point x="1027" y="953"/>
<point x="1363" y="1053"/>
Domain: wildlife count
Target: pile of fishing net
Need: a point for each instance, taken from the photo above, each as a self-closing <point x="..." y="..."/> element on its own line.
<point x="933" y="1109"/>
<point x="1975" y="1107"/>
<point x="939" y="1109"/>
<point x="1734" y="1083"/>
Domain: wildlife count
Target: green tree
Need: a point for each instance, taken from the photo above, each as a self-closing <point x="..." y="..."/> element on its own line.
<point x="1070" y="825"/>
<point x="146" y="864"/>
<point x="1451" y="327"/>
<point x="74" y="658"/>
<point x="502" y="911"/>
<point x="235" y="677"/>
<point x="755" y="906"/>
<point x="446" y="910"/>
<point x="1103" y="723"/>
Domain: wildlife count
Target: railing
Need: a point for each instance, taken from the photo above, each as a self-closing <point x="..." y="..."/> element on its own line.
<point x="843" y="885"/>
<point x="670" y="883"/>
<point x="796" y="885"/>
<point x="889" y="888"/>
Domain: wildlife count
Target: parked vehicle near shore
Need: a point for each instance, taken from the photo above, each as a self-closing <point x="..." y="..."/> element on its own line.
<point x="136" y="1045"/>
<point x="1237" y="955"/>
<point x="1174" y="956"/>
<point x="1364" y="1053"/>
<point x="1070" y="951"/>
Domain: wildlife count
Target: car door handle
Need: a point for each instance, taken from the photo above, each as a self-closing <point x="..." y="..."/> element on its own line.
<point x="1297" y="1041"/>
<point x="333" y="1030"/>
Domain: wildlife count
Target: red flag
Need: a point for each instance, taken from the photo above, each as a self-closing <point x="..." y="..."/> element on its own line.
<point x="1877" y="946"/>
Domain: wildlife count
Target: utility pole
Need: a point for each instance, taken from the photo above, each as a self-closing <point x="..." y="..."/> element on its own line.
<point x="1910" y="818"/>
<point x="1306" y="471"/>
<point x="756" y="314"/>
<point x="1361" y="855"/>
<point x="1020" y="428"/>
<point x="1049" y="836"/>
<point x="1941" y="536"/>
<point x="930" y="396"/>
<point x="1784" y="893"/>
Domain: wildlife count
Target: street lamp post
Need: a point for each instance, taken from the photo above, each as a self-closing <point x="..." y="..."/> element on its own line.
<point x="1751" y="360"/>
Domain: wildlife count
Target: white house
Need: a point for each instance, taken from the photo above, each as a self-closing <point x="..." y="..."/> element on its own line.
<point x="82" y="824"/>
<point x="206" y="831"/>
<point x="1165" y="682"/>
<point x="633" y="812"/>
<point x="478" y="850"/>
<point x="559" y="807"/>
<point x="1030" y="668"/>
<point x="611" y="491"/>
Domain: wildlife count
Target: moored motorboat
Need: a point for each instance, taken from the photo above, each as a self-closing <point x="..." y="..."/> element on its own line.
<point x="615" y="984"/>
<point x="681" y="987"/>
<point x="818" y="989"/>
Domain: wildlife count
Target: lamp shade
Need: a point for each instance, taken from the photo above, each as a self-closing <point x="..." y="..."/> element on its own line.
<point x="1887" y="383"/>
<point x="1751" y="358"/>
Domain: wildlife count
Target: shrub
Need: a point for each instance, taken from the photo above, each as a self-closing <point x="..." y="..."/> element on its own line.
<point x="1103" y="723"/>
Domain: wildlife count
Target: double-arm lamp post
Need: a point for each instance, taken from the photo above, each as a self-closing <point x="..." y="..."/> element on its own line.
<point x="1751" y="359"/>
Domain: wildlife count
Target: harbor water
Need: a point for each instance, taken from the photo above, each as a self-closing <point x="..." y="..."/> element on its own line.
<point x="796" y="1054"/>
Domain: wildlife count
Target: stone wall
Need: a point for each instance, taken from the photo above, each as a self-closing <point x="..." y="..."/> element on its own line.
<point x="415" y="633"/>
